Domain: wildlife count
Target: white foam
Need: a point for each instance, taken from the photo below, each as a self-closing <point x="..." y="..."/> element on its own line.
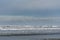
<point x="26" y="27"/>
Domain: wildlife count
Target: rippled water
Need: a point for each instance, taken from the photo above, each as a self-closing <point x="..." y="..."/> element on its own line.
<point x="32" y="37"/>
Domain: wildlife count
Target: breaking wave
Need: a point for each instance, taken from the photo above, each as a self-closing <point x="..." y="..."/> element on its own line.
<point x="28" y="30"/>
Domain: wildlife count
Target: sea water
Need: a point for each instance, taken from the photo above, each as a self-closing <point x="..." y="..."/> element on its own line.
<point x="32" y="37"/>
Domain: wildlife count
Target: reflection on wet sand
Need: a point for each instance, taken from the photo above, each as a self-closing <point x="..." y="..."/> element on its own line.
<point x="52" y="39"/>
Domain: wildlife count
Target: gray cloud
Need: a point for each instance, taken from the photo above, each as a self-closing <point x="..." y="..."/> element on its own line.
<point x="28" y="4"/>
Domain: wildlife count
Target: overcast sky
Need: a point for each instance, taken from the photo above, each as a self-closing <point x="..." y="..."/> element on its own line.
<point x="30" y="7"/>
<point x="29" y="4"/>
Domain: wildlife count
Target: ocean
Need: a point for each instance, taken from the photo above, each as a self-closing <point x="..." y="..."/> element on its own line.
<point x="32" y="37"/>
